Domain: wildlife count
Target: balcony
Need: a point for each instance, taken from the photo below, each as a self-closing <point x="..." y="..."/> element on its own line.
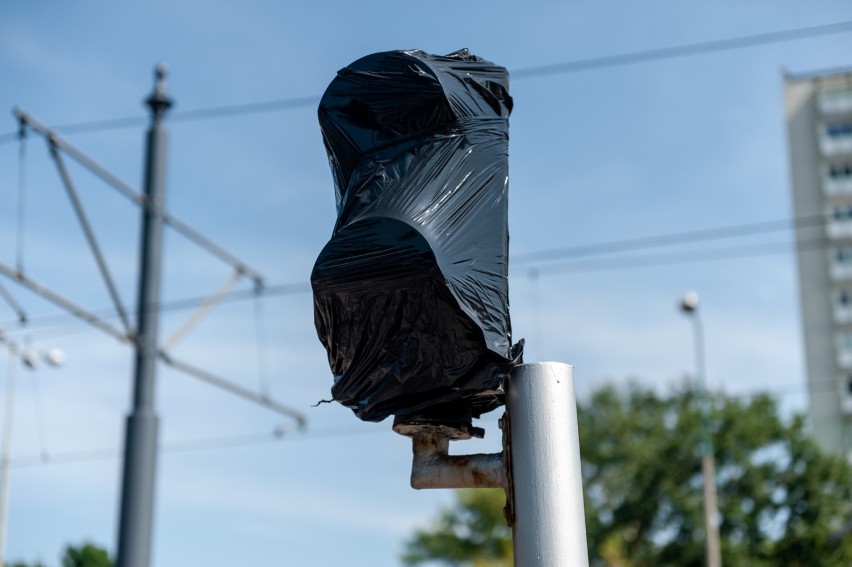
<point x="844" y="359"/>
<point x="835" y="138"/>
<point x="842" y="313"/>
<point x="835" y="101"/>
<point x="839" y="228"/>
<point x="841" y="272"/>
<point x="844" y="350"/>
<point x="844" y="391"/>
<point x="839" y="225"/>
<point x="840" y="260"/>
<point x="837" y="186"/>
<point x="835" y="145"/>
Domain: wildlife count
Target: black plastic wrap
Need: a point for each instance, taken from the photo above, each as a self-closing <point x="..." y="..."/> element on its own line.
<point x="411" y="292"/>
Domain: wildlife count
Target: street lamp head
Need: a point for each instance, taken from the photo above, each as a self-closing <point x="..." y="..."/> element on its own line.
<point x="689" y="302"/>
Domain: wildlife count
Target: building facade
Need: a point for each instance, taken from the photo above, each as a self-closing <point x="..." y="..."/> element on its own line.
<point x="819" y="127"/>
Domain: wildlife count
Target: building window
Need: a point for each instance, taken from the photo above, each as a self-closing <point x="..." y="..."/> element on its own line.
<point x="843" y="344"/>
<point x="844" y="341"/>
<point x="843" y="255"/>
<point x="842" y="212"/>
<point x="838" y="129"/>
<point x="837" y="178"/>
<point x="841" y="305"/>
<point x="836" y="137"/>
<point x="840" y="171"/>
<point x="846" y="394"/>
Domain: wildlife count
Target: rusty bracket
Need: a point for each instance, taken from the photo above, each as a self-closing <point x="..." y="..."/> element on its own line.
<point x="434" y="467"/>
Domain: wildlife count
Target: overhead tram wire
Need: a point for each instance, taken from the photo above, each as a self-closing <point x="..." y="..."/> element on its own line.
<point x="604" y="264"/>
<point x="523" y="73"/>
<point x="683" y="50"/>
<point x="192" y="445"/>
<point x="669" y="239"/>
<point x="275" y="290"/>
<point x="680" y="257"/>
<point x="563" y="260"/>
<point x="268" y="438"/>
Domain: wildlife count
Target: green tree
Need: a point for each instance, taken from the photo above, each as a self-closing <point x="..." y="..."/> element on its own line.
<point x="781" y="501"/>
<point x="85" y="555"/>
<point x="473" y="532"/>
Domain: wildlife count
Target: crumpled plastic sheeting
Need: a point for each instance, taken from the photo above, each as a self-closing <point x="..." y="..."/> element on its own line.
<point x="411" y="292"/>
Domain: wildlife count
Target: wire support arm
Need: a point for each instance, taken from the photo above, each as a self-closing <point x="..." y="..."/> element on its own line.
<point x="245" y="393"/>
<point x="90" y="234"/>
<point x="64" y="303"/>
<point x="214" y="249"/>
<point x="137" y="197"/>
<point x="201" y="311"/>
<point x="80" y="157"/>
<point x="16" y="307"/>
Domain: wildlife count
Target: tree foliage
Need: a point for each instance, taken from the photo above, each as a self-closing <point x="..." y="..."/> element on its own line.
<point x="471" y="533"/>
<point x="85" y="555"/>
<point x="781" y="501"/>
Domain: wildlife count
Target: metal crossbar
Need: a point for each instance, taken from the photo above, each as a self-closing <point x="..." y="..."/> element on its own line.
<point x="90" y="235"/>
<point x="138" y="197"/>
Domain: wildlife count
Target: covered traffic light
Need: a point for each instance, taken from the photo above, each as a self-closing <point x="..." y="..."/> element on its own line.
<point x="411" y="292"/>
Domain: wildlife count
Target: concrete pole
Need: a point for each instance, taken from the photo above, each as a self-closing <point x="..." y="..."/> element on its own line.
<point x="140" y="447"/>
<point x="549" y="522"/>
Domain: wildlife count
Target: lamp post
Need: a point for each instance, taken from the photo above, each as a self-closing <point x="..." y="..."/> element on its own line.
<point x="689" y="305"/>
<point x="52" y="357"/>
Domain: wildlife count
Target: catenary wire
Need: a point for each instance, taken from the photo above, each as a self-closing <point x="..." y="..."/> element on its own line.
<point x="669" y="239"/>
<point x="567" y="265"/>
<point x="683" y="50"/>
<point x="204" y="444"/>
<point x="629" y="262"/>
<point x="268" y="438"/>
<point x="681" y="257"/>
<point x="578" y="65"/>
<point x="282" y="289"/>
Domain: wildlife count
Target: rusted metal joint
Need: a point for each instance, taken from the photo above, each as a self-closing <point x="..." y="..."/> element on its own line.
<point x="434" y="467"/>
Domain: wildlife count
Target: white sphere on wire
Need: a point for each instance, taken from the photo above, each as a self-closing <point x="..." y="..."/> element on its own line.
<point x="54" y="357"/>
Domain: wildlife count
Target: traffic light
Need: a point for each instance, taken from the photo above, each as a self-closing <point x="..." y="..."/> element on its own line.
<point x="411" y="292"/>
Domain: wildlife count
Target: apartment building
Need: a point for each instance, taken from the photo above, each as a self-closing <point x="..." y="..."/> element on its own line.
<point x="818" y="108"/>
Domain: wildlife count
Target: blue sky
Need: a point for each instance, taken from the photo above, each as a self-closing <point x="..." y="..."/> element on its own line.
<point x="610" y="154"/>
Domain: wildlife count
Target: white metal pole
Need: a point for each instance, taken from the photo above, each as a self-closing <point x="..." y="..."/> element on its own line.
<point x="708" y="456"/>
<point x="689" y="305"/>
<point x="550" y="526"/>
<point x="8" y="423"/>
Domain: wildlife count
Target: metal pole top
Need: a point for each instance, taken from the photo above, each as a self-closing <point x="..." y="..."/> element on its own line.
<point x="159" y="102"/>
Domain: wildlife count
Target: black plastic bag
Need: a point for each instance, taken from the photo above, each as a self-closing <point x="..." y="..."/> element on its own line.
<point x="411" y="292"/>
